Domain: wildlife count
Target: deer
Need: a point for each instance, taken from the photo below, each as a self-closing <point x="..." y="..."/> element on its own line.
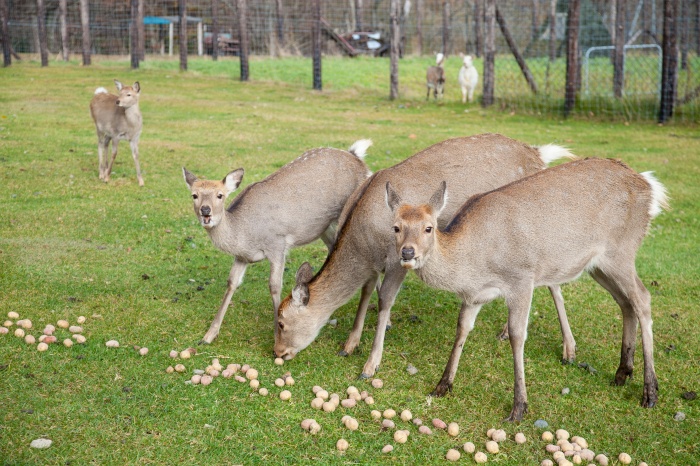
<point x="435" y="78"/>
<point x="117" y="117"/>
<point x="365" y="249"/>
<point x="468" y="78"/>
<point x="293" y="206"/>
<point x="588" y="215"/>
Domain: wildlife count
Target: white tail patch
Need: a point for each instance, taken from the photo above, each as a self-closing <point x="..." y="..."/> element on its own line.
<point x="359" y="148"/>
<point x="659" y="195"/>
<point x="101" y="90"/>
<point x="551" y="152"/>
<point x="439" y="58"/>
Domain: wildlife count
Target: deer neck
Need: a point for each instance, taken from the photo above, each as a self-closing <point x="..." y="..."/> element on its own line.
<point x="443" y="266"/>
<point x="227" y="235"/>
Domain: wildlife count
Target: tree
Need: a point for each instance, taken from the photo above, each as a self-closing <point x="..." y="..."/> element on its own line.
<point x="6" y="43"/>
<point x="215" y="29"/>
<point x="669" y="66"/>
<point x="619" y="52"/>
<point x="65" y="44"/>
<point x="85" y="22"/>
<point x="134" y="34"/>
<point x="487" y="98"/>
<point x="182" y="9"/>
<point x="41" y="24"/>
<point x="394" y="49"/>
<point x="316" y="40"/>
<point x="243" y="37"/>
<point x="572" y="68"/>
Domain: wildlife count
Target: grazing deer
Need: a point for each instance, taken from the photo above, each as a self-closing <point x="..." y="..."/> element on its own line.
<point x="117" y="118"/>
<point x="435" y="78"/>
<point x="584" y="216"/>
<point x="468" y="78"/>
<point x="294" y="206"/>
<point x="365" y="245"/>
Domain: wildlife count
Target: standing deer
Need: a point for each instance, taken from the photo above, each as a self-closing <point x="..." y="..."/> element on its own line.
<point x="117" y="118"/>
<point x="294" y="206"/>
<point x="365" y="245"/>
<point x="435" y="78"/>
<point x="589" y="215"/>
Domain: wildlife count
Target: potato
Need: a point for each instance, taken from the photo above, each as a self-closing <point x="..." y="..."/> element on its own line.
<point x="316" y="389"/>
<point x="348" y="403"/>
<point x="389" y="413"/>
<point x="400" y="436"/>
<point x="561" y="434"/>
<point x="185" y="354"/>
<point x="492" y="446"/>
<point x="75" y="329"/>
<point x="406" y="415"/>
<point x="547" y="462"/>
<point x="363" y="395"/>
<point x="196" y="379"/>
<point x="42" y="346"/>
<point x="480" y="457"/>
<point x="323" y="394"/>
<point x="279" y="361"/>
<point x="342" y="444"/>
<point x="352" y="424"/>
<point x="551" y="448"/>
<point x="50" y="339"/>
<point x="112" y="344"/>
<point x="170" y="370"/>
<point x="143" y="351"/>
<point x="576" y="459"/>
<point x="520" y="438"/>
<point x="227" y="374"/>
<point x="453" y="429"/>
<point x="289" y="381"/>
<point x="439" y="424"/>
<point x="624" y="458"/>
<point x="251" y="374"/>
<point x="13" y="315"/>
<point x="376" y="415"/>
<point x="602" y="460"/>
<point x="81" y="319"/>
<point x="63" y="323"/>
<point x="328" y="406"/>
<point x="254" y="384"/>
<point x="279" y="382"/>
<point x="469" y="447"/>
<point x="263" y="391"/>
<point x="80" y="339"/>
<point x="26" y="324"/>
<point x="417" y="421"/>
<point x="314" y="428"/>
<point x="67" y="342"/>
<point x="245" y="368"/>
<point x="239" y="378"/>
<point x="216" y="364"/>
<point x="452" y="455"/>
<point x="547" y="436"/>
<point x="369" y="400"/>
<point x="180" y="368"/>
<point x="173" y="354"/>
<point x="49" y="329"/>
<point x="8" y="323"/>
<point x="498" y="435"/>
<point x="388" y="424"/>
<point x="558" y="455"/>
<point x="355" y="396"/>
<point x="207" y="380"/>
<point x="233" y="368"/>
<point x="317" y="403"/>
<point x="19" y="333"/>
<point x="387" y="448"/>
<point x="285" y="395"/>
<point x="377" y="383"/>
<point x="425" y="430"/>
<point x="4" y="331"/>
<point x="192" y="351"/>
<point x="29" y="339"/>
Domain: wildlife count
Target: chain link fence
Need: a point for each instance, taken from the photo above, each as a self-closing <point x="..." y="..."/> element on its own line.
<point x="537" y="29"/>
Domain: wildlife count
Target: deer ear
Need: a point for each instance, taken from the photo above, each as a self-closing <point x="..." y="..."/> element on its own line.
<point x="233" y="180"/>
<point x="118" y="84"/>
<point x="300" y="295"/>
<point x="189" y="177"/>
<point x="304" y="274"/>
<point x="439" y="199"/>
<point x="137" y="87"/>
<point x="393" y="200"/>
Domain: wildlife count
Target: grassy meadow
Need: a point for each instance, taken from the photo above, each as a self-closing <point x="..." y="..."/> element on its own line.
<point x="137" y="264"/>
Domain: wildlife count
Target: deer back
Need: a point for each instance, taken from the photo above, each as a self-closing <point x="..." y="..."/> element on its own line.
<point x="118" y="116"/>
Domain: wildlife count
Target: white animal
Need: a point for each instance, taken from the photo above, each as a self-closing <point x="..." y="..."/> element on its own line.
<point x="468" y="78"/>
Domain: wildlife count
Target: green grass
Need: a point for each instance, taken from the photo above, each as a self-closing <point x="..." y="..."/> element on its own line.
<point x="137" y="264"/>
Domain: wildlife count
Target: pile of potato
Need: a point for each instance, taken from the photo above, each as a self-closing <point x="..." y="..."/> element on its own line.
<point x="25" y="329"/>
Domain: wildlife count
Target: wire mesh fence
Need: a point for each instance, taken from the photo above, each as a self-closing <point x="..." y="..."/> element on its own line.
<point x="537" y="29"/>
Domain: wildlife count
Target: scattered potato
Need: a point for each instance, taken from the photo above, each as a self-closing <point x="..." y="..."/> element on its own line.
<point x="387" y="449"/>
<point x="351" y="389"/>
<point x="80" y="339"/>
<point x="216" y="365"/>
<point x="29" y="339"/>
<point x="558" y="456"/>
<point x="42" y="346"/>
<point x="285" y="395"/>
<point x="376" y="415"/>
<point x="49" y="329"/>
<point x="562" y="434"/>
<point x="26" y="324"/>
<point x="4" y="331"/>
<point x="196" y="379"/>
<point x="252" y="374"/>
<point x="389" y="413"/>
<point x="227" y="374"/>
<point x="469" y="447"/>
<point x="342" y="444"/>
<point x="317" y="403"/>
<point x="279" y="382"/>
<point x="173" y="354"/>
<point x="520" y="438"/>
<point x="406" y="415"/>
<point x="551" y="448"/>
<point x="63" y="323"/>
<point x="13" y="315"/>
<point x="348" y="403"/>
<point x="263" y="391"/>
<point x="245" y="368"/>
<point x="417" y="421"/>
<point x="254" y="384"/>
<point x="377" y="383"/>
<point x="439" y="424"/>
<point x="492" y="446"/>
<point x="369" y="400"/>
<point x="279" y="361"/>
<point x="192" y="351"/>
<point x="170" y="370"/>
<point x="547" y="462"/>
<point x="185" y="354"/>
<point x="19" y="333"/>
<point x="112" y="344"/>
<point x="624" y="458"/>
<point x="50" y="339"/>
<point x="363" y="395"/>
<point x="352" y="424"/>
<point x="425" y="430"/>
<point x="498" y="435"/>
<point x="75" y="329"/>
<point x="314" y="428"/>
<point x="452" y="454"/>
<point x="480" y="457"/>
<point x="401" y="436"/>
<point x="180" y="368"/>
<point x="81" y="319"/>
<point x="547" y="436"/>
<point x="328" y="406"/>
<point x="323" y="394"/>
<point x="8" y="323"/>
<point x="289" y="381"/>
<point x="67" y="342"/>
<point x="207" y="380"/>
<point x="576" y="459"/>
<point x="233" y="368"/>
<point x="239" y="378"/>
<point x="453" y="429"/>
<point x="143" y="351"/>
<point x="316" y="389"/>
<point x="388" y="424"/>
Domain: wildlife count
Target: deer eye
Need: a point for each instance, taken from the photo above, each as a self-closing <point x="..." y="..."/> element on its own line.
<point x="281" y="326"/>
<point x="429" y="229"/>
<point x="397" y="229"/>
<point x="220" y="196"/>
<point x="194" y="196"/>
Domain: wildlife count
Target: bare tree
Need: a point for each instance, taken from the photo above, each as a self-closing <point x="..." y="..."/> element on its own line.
<point x="85" y="23"/>
<point x="6" y="43"/>
<point x="182" y="13"/>
<point x="478" y="26"/>
<point x="669" y="67"/>
<point x="500" y="19"/>
<point x="65" y="45"/>
<point x="420" y="7"/>
<point x="552" y="30"/>
<point x="619" y="52"/>
<point x="359" y="20"/>
<point x="280" y="22"/>
<point x="572" y="68"/>
<point x="394" y="49"/>
<point x="215" y="29"/>
<point x="535" y="19"/>
<point x="446" y="28"/>
<point x="684" y="36"/>
<point x="141" y="28"/>
<point x="488" y="98"/>
<point x="134" y="34"/>
<point x="243" y="37"/>
<point x="316" y="40"/>
<point x="41" y="25"/>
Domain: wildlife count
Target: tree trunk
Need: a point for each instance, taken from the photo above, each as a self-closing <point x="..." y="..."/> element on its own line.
<point x="552" y="30"/>
<point x="134" y="45"/>
<point x="684" y="33"/>
<point x="394" y="50"/>
<point x="85" y="23"/>
<point x="619" y="52"/>
<point x="141" y="28"/>
<point x="280" y="23"/>
<point x="65" y="44"/>
<point x="478" y="21"/>
<point x="488" y="98"/>
<point x="182" y="9"/>
<point x="316" y="41"/>
<point x="41" y="25"/>
<point x="243" y="37"/>
<point x="446" y="28"/>
<point x="535" y="19"/>
<point x="5" y="30"/>
<point x="215" y="29"/>
<point x="419" y="26"/>
<point x="516" y="53"/>
<point x="669" y="67"/>
<point x="359" y="20"/>
<point x="572" y="52"/>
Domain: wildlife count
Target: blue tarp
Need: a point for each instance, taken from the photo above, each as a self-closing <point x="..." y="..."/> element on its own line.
<point x="155" y="20"/>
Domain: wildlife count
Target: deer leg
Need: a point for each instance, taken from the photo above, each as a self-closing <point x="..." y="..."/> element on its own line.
<point x="464" y="95"/>
<point x="387" y="294"/>
<point x="101" y="155"/>
<point x="134" y="143"/>
<point x="568" y="342"/>
<point x="354" y="338"/>
<point x="328" y="236"/>
<point x="235" y="278"/>
<point x="276" y="276"/>
<point x="108" y="169"/>
<point x="518" y="314"/>
<point x="471" y="94"/>
<point x="465" y="324"/>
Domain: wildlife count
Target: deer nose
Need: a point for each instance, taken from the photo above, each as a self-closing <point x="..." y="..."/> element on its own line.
<point x="117" y="102"/>
<point x="407" y="253"/>
<point x="206" y="210"/>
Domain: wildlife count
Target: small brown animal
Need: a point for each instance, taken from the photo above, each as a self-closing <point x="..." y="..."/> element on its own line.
<point x="117" y="118"/>
<point x="435" y="78"/>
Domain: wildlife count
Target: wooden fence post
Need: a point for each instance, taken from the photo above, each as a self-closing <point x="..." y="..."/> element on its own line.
<point x="243" y="38"/>
<point x="65" y="44"/>
<point x="669" y="67"/>
<point x="619" y="51"/>
<point x="316" y="40"/>
<point x="215" y="29"/>
<point x="85" y="24"/>
<point x="572" y="68"/>
<point x="134" y="43"/>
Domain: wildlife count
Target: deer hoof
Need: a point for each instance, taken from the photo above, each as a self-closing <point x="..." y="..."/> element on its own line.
<point x="363" y="376"/>
<point x="343" y="353"/>
<point x="204" y="342"/>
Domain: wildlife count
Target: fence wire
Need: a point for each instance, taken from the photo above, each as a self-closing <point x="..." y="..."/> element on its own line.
<point x="283" y="27"/>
